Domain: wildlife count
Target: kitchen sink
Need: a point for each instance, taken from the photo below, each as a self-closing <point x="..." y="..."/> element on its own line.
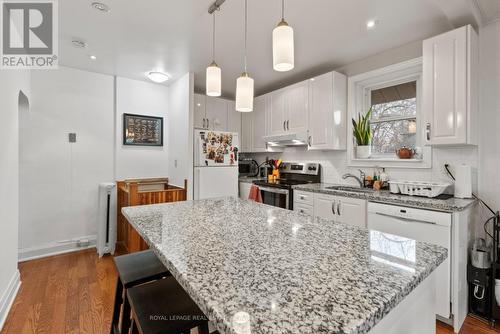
<point x="353" y="189"/>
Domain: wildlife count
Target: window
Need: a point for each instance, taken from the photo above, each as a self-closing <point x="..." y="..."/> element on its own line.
<point x="394" y="118"/>
<point x="393" y="93"/>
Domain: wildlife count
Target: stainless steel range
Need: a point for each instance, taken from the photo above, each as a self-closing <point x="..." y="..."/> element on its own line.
<point x="280" y="193"/>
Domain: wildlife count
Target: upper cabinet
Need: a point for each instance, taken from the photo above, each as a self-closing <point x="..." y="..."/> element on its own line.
<point x="259" y="124"/>
<point x="450" y="97"/>
<point x="289" y="109"/>
<point x="328" y="112"/>
<point x="216" y="114"/>
<point x="200" y="111"/>
<point x="246" y="132"/>
<point x="233" y="118"/>
<point x="296" y="107"/>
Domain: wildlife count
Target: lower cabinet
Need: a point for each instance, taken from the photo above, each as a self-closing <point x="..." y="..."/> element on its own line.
<point x="244" y="189"/>
<point x="340" y="209"/>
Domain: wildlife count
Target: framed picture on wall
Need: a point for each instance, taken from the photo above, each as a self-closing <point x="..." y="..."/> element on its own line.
<point x="141" y="130"/>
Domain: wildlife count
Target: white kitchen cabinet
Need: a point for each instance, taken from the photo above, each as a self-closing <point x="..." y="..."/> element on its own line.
<point x="259" y="124"/>
<point x="325" y="206"/>
<point x="233" y="118"/>
<point x="328" y="112"/>
<point x="303" y="209"/>
<point x="296" y="107"/>
<point x="216" y="113"/>
<point x="199" y="111"/>
<point x="450" y="97"/>
<point x="351" y="211"/>
<point x="246" y="132"/>
<point x="244" y="189"/>
<point x="277" y="118"/>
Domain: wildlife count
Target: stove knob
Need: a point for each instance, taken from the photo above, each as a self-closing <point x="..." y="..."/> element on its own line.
<point x="312" y="168"/>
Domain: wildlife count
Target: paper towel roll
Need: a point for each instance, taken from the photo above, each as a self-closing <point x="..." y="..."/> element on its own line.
<point x="463" y="181"/>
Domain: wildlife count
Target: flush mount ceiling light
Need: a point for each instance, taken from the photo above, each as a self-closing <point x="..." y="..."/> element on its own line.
<point x="157" y="76"/>
<point x="101" y="7"/>
<point x="245" y="84"/>
<point x="213" y="80"/>
<point x="283" y="45"/>
<point x="79" y="44"/>
<point x="371" y="24"/>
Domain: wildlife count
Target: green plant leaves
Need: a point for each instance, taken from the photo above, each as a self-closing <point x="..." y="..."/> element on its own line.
<point x="362" y="130"/>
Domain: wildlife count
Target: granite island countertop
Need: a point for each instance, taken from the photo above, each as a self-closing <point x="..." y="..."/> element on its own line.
<point x="288" y="272"/>
<point x="386" y="197"/>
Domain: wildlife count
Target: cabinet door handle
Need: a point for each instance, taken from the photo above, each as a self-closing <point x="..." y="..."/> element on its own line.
<point x="333" y="208"/>
<point x="338" y="208"/>
<point x="309" y="141"/>
<point x="284" y="128"/>
<point x="208" y="123"/>
<point x="288" y="125"/>
<point x="203" y="123"/>
<point x="428" y="131"/>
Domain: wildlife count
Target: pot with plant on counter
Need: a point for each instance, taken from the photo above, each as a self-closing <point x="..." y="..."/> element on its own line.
<point x="363" y="133"/>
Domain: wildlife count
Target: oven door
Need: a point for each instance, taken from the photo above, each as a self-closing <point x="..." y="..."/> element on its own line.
<point x="275" y="197"/>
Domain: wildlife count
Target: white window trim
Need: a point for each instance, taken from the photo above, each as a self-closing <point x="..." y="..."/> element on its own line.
<point x="358" y="102"/>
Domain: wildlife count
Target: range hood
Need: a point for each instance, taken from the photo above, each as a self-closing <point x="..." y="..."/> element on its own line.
<point x="288" y="139"/>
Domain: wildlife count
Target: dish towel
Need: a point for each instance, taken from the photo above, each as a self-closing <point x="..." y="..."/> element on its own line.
<point x="254" y="194"/>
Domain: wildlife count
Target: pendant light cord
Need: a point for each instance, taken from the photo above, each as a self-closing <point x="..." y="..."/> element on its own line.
<point x="213" y="38"/>
<point x="283" y="10"/>
<point x="246" y="23"/>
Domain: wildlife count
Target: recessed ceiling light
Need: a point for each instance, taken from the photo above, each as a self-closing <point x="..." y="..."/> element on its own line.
<point x="79" y="44"/>
<point x="371" y="24"/>
<point x="101" y="7"/>
<point x="158" y="77"/>
<point x="92" y="57"/>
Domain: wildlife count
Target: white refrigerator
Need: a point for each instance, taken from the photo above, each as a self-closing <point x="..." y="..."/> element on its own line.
<point x="215" y="164"/>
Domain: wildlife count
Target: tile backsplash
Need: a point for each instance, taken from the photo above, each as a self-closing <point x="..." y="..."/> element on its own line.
<point x="334" y="164"/>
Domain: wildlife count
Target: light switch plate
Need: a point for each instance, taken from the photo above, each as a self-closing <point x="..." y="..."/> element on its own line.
<point x="72" y="137"/>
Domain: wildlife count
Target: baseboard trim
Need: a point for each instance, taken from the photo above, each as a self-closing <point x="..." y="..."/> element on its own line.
<point x="55" y="248"/>
<point x="8" y="297"/>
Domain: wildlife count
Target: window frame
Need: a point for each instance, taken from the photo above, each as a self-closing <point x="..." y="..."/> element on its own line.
<point x="359" y="101"/>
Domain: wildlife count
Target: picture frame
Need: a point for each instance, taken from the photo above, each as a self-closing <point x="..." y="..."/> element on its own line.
<point x="142" y="130"/>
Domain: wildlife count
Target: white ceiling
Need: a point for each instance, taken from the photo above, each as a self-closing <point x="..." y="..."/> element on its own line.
<point x="175" y="36"/>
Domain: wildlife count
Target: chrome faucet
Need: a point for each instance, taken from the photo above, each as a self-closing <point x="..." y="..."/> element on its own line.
<point x="360" y="179"/>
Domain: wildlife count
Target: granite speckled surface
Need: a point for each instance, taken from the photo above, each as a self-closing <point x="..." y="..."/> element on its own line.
<point x="250" y="179"/>
<point x="288" y="272"/>
<point x="384" y="196"/>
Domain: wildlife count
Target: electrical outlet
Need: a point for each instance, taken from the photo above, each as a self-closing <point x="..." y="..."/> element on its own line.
<point x="72" y="137"/>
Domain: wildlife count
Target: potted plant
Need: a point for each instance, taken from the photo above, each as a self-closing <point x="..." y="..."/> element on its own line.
<point x="363" y="133"/>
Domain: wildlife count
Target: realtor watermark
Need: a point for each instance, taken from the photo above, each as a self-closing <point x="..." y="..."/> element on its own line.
<point x="29" y="34"/>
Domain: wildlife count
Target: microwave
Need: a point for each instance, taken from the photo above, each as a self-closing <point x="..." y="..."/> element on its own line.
<point x="248" y="167"/>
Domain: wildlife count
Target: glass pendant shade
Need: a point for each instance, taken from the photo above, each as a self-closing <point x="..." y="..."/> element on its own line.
<point x="283" y="47"/>
<point x="244" y="93"/>
<point x="214" y="80"/>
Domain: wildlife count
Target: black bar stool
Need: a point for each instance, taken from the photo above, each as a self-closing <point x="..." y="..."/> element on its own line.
<point x="133" y="269"/>
<point x="163" y="307"/>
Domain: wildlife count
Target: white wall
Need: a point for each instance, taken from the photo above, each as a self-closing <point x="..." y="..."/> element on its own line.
<point x="180" y="132"/>
<point x="11" y="83"/>
<point x="143" y="98"/>
<point x="59" y="180"/>
<point x="489" y="141"/>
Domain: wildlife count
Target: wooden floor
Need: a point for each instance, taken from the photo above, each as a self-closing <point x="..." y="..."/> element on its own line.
<point x="74" y="293"/>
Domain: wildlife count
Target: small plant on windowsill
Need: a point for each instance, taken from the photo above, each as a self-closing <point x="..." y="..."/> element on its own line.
<point x="363" y="133"/>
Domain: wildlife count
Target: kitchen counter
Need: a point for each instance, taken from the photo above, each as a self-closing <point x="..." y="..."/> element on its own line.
<point x="289" y="273"/>
<point x="384" y="196"/>
<point x="250" y="179"/>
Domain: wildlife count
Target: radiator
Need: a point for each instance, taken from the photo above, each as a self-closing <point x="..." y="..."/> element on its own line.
<point x="106" y="220"/>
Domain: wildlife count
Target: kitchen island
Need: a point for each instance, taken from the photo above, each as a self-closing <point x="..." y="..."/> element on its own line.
<point x="288" y="273"/>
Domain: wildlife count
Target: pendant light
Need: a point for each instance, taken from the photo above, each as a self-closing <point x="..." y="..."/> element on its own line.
<point x="283" y="45"/>
<point x="214" y="81"/>
<point x="244" y="84"/>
